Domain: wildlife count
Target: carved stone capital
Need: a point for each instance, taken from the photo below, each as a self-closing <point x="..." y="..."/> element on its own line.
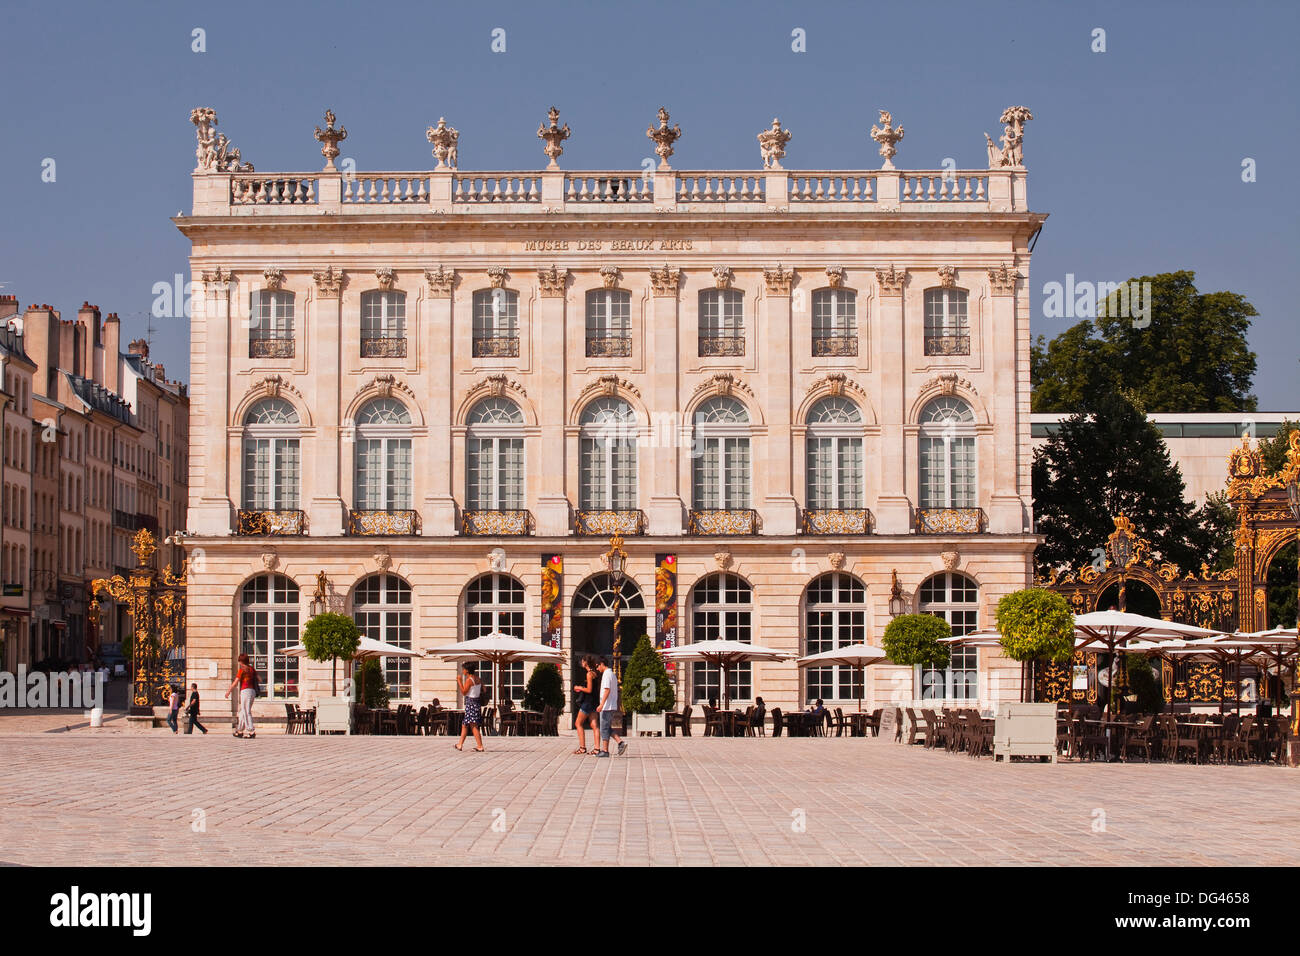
<point x="609" y="276"/>
<point x="947" y="277"/>
<point x="891" y="281"/>
<point x="217" y="282"/>
<point x="328" y="283"/>
<point x="835" y="276"/>
<point x="497" y="276"/>
<point x="723" y="276"/>
<point x="386" y="278"/>
<point x="274" y="279"/>
<point x="1002" y="280"/>
<point x="551" y="282"/>
<point x="665" y="281"/>
<point x="778" y="281"/>
<point x="440" y="282"/>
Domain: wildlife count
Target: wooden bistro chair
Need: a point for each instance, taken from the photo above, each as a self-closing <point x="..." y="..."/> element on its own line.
<point x="839" y="723"/>
<point x="715" y="722"/>
<point x="682" y="721"/>
<point x="915" y="727"/>
<point x="745" y="725"/>
<point x="776" y="722"/>
<point x="1139" y="737"/>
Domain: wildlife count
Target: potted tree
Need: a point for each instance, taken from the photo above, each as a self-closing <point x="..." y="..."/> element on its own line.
<point x="647" y="689"/>
<point x="913" y="640"/>
<point x="1034" y="624"/>
<point x="545" y="688"/>
<point x="332" y="637"/>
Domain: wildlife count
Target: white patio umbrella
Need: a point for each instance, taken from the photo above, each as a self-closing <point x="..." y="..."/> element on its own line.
<point x="366" y="647"/>
<point x="724" y="653"/>
<point x="498" y="648"/>
<point x="1120" y="629"/>
<point x="857" y="656"/>
<point x="1279" y="645"/>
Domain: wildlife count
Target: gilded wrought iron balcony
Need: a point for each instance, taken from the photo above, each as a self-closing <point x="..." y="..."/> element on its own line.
<point x="835" y="345"/>
<point x="609" y="346"/>
<point x="254" y="521"/>
<point x="496" y="346"/>
<point x="383" y="346"/>
<point x="949" y="520"/>
<point x="277" y="347"/>
<point x="711" y="345"/>
<point x="947" y="345"/>
<point x="712" y="522"/>
<point x="610" y="522"/>
<point x="496" y="523"/>
<point x="835" y="521"/>
<point x="363" y="522"/>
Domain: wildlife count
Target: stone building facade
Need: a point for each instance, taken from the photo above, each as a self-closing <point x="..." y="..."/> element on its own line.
<point x="447" y="390"/>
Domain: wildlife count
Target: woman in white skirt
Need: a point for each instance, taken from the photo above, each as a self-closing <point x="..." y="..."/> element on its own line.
<point x="471" y="688"/>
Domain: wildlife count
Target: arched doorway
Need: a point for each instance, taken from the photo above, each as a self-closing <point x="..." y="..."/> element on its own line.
<point x="592" y="631"/>
<point x="1280" y="587"/>
<point x="1139" y="598"/>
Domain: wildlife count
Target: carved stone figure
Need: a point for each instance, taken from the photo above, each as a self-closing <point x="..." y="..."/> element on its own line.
<point x="664" y="137"/>
<point x="771" y="142"/>
<point x="553" y="136"/>
<point x="1012" y="153"/>
<point x="888" y="137"/>
<point x="214" y="152"/>
<point x="444" y="139"/>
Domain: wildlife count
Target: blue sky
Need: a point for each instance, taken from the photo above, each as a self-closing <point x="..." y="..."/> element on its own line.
<point x="1135" y="152"/>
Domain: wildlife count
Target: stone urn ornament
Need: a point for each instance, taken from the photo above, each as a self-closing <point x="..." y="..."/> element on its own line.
<point x="888" y="136"/>
<point x="445" y="141"/>
<point x="553" y="136"/>
<point x="664" y="136"/>
<point x="771" y="142"/>
<point x="330" y="137"/>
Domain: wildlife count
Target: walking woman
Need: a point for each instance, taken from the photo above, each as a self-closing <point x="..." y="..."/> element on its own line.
<point x="174" y="708"/>
<point x="471" y="688"/>
<point x="246" y="681"/>
<point x="584" y="699"/>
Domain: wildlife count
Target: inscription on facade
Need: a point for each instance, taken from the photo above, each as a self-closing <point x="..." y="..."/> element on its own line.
<point x="611" y="245"/>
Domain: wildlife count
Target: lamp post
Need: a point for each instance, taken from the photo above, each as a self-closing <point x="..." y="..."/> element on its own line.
<point x="616" y="562"/>
<point x="897" y="603"/>
<point x="1121" y="551"/>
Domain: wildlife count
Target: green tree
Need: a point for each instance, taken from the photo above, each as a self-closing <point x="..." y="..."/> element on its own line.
<point x="1274" y="449"/>
<point x="545" y="688"/>
<point x="371" y="683"/>
<point x="1143" y="682"/>
<point x="1035" y="624"/>
<point x="912" y="639"/>
<point x="1188" y="355"/>
<point x="331" y="637"/>
<point x="647" y="688"/>
<point x="1104" y="461"/>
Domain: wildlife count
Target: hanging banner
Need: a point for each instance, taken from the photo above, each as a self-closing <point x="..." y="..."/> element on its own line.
<point x="666" y="603"/>
<point x="552" y="602"/>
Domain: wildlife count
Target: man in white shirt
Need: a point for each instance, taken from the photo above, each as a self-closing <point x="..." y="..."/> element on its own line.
<point x="608" y="705"/>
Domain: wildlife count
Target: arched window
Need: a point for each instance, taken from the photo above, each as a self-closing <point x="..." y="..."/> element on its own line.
<point x="496" y="323"/>
<point x="495" y="602"/>
<point x="947" y="331"/>
<point x="381" y="607"/>
<point x="383" y="456"/>
<point x="383" y="324"/>
<point x="721" y="461"/>
<point x="596" y="597"/>
<point x="271" y="456"/>
<point x="835" y="322"/>
<point x="834" y="454"/>
<point x="607" y="456"/>
<point x="494" y="456"/>
<point x="835" y="616"/>
<point x="947" y="454"/>
<point x="268" y="628"/>
<point x="722" y="322"/>
<point x="955" y="598"/>
<point x="722" y="609"/>
<point x="270" y="327"/>
<point x="609" y="323"/>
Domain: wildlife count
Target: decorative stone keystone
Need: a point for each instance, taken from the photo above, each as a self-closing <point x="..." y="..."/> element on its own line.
<point x="609" y="276"/>
<point x="722" y="277"/>
<point x="386" y="279"/>
<point x="836" y="560"/>
<point x="887" y="136"/>
<point x="664" y="137"/>
<point x="835" y="276"/>
<point x="497" y="277"/>
<point x="553" y="136"/>
<point x="274" y="279"/>
<point x="331" y="138"/>
<point x="947" y="277"/>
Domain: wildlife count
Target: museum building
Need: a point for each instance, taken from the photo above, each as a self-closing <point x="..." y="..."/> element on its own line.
<point x="801" y="399"/>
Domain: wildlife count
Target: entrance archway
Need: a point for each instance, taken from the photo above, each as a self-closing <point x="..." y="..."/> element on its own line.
<point x="1139" y="598"/>
<point x="592" y="630"/>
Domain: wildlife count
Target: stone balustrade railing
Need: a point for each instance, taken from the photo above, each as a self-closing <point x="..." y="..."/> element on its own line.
<point x="629" y="191"/>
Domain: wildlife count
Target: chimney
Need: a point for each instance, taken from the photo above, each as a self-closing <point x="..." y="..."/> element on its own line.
<point x="68" y="343"/>
<point x="8" y="306"/>
<point x="112" y="348"/>
<point x="88" y="325"/>
<point x="41" y="342"/>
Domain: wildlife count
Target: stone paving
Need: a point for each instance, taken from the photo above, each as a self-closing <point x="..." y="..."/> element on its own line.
<point x="87" y="797"/>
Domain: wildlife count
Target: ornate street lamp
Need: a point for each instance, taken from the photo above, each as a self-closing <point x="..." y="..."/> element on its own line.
<point x="320" y="597"/>
<point x="1121" y="542"/>
<point x="616" y="563"/>
<point x="897" y="603"/>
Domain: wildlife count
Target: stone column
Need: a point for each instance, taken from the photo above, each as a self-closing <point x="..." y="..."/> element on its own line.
<point x="325" y="455"/>
<point x="438" y="514"/>
<point x="893" y="509"/>
<point x="666" y="507"/>
<point x="210" y="356"/>
<point x="780" y="511"/>
<point x="1006" y="510"/>
<point x="547" y="337"/>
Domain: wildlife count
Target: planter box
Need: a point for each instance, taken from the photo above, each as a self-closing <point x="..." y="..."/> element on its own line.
<point x="1025" y="730"/>
<point x="334" y="714"/>
<point x="648" y="724"/>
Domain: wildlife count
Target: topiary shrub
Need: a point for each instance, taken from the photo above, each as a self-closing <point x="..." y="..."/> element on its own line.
<point x="545" y="688"/>
<point x="1035" y="624"/>
<point x="912" y="639"/>
<point x="647" y="688"/>
<point x="371" y="683"/>
<point x="1143" y="682"/>
<point x="331" y="637"/>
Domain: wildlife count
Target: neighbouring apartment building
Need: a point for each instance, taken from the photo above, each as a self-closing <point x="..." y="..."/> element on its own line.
<point x="96" y="447"/>
<point x="785" y="390"/>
